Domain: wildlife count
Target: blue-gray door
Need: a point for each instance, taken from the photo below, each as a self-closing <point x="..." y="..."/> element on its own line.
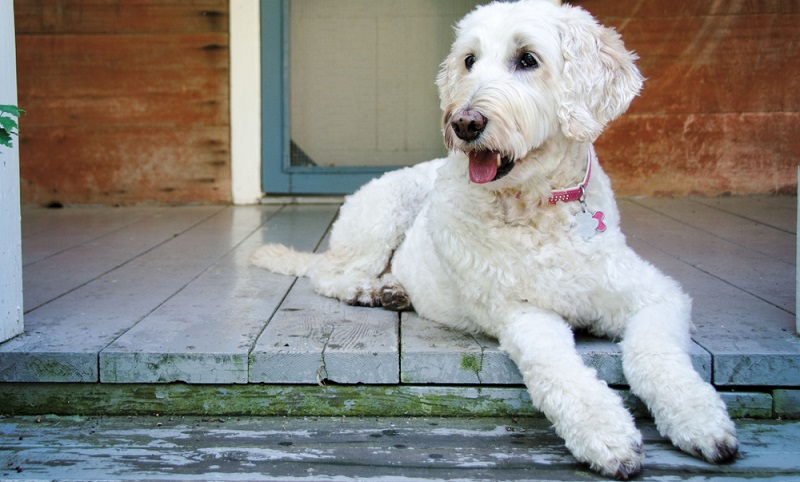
<point x="348" y="89"/>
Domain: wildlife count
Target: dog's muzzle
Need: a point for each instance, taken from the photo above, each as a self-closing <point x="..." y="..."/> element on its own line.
<point x="485" y="165"/>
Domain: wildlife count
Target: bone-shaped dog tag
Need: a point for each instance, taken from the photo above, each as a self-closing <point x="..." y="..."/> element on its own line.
<point x="587" y="223"/>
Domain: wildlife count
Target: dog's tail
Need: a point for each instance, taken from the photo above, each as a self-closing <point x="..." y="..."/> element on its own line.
<point x="283" y="259"/>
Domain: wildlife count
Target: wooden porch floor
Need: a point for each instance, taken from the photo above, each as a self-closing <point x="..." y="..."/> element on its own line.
<point x="143" y="311"/>
<point x="122" y="303"/>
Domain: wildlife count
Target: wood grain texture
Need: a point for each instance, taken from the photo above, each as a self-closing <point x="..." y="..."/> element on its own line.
<point x="779" y="212"/>
<point x="704" y="153"/>
<point x="135" y="104"/>
<point x="432" y="353"/>
<point x="750" y="234"/>
<point x="307" y="400"/>
<point x="192" y="342"/>
<point x="345" y="449"/>
<point x="73" y="266"/>
<point x="759" y="274"/>
<point x="86" y="320"/>
<point x="133" y="165"/>
<point x="313" y="339"/>
<point x="200" y="309"/>
<point x="48" y="232"/>
<point x="751" y="340"/>
<point x="120" y="16"/>
<point x="717" y="110"/>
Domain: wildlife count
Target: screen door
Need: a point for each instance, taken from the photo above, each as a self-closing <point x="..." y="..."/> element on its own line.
<point x="358" y="89"/>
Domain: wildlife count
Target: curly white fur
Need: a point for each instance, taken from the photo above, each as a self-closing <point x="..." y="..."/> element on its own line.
<point x="496" y="257"/>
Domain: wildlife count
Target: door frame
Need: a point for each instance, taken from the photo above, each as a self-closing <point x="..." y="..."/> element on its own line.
<point x="278" y="176"/>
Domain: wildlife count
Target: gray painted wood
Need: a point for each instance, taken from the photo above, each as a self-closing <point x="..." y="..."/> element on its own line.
<point x="755" y="273"/>
<point x="314" y="339"/>
<point x="133" y="234"/>
<point x="179" y="289"/>
<point x="46" y="232"/>
<point x="751" y="341"/>
<point x="747" y="233"/>
<point x="776" y="211"/>
<point x="63" y="338"/>
<point x="214" y="448"/>
<point x="433" y="353"/>
<point x="205" y="332"/>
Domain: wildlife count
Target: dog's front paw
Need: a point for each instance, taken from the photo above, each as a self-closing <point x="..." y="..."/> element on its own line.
<point x="619" y="459"/>
<point x="712" y="441"/>
<point x="700" y="425"/>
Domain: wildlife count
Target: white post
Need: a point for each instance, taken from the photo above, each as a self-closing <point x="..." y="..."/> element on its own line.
<point x="10" y="234"/>
<point x="245" y="45"/>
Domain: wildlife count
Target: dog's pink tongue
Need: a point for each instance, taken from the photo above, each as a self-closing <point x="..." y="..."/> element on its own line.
<point x="482" y="166"/>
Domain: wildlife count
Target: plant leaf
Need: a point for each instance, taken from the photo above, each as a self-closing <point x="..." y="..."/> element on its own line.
<point x="5" y="138"/>
<point x="8" y="124"/>
<point x="11" y="109"/>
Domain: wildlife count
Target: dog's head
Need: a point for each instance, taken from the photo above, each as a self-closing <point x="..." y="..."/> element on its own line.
<point x="520" y="75"/>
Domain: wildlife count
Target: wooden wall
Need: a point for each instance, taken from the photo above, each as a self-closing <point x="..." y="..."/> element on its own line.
<point x="127" y="101"/>
<point x="720" y="111"/>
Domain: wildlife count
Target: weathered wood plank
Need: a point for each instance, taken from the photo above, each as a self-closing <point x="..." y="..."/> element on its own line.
<point x="780" y="212"/>
<point x="124" y="80"/>
<point x="305" y="400"/>
<point x="100" y="159"/>
<point x="751" y="341"/>
<point x="162" y="448"/>
<point x="63" y="338"/>
<point x="205" y="332"/>
<point x="432" y="353"/>
<point x="125" y="115"/>
<point x="120" y="17"/>
<point x="750" y="271"/>
<point x="701" y="153"/>
<point x="679" y="52"/>
<point x="753" y="235"/>
<point x="622" y="9"/>
<point x="46" y="232"/>
<point x="708" y="120"/>
<point x="314" y="339"/>
<point x="65" y="271"/>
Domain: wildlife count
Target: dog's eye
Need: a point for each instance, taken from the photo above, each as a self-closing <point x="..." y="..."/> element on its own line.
<point x="469" y="61"/>
<point x="527" y="61"/>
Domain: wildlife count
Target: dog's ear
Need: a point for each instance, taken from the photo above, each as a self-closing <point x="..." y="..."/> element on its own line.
<point x="600" y="78"/>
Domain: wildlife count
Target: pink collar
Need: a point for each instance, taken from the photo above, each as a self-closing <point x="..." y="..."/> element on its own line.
<point x="574" y="193"/>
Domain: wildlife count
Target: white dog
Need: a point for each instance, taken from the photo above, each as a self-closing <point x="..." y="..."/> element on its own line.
<point x="516" y="234"/>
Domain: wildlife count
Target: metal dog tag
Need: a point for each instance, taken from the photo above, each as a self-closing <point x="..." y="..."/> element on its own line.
<point x="587" y="223"/>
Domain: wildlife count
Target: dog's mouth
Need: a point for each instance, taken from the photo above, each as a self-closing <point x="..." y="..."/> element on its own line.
<point x="488" y="166"/>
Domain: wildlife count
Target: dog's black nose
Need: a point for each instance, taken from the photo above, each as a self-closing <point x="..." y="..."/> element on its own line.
<point x="468" y="124"/>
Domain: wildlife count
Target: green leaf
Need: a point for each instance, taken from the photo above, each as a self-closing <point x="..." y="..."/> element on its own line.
<point x="5" y="138"/>
<point x="8" y="124"/>
<point x="11" y="109"/>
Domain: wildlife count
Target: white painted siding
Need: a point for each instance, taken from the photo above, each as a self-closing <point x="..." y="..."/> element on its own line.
<point x="10" y="237"/>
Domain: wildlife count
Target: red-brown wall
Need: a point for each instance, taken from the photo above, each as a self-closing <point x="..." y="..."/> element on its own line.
<point x="127" y="101"/>
<point x="720" y="110"/>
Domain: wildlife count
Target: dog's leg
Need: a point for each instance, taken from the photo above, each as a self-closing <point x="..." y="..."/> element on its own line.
<point x="585" y="412"/>
<point x="371" y="226"/>
<point x="659" y="371"/>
